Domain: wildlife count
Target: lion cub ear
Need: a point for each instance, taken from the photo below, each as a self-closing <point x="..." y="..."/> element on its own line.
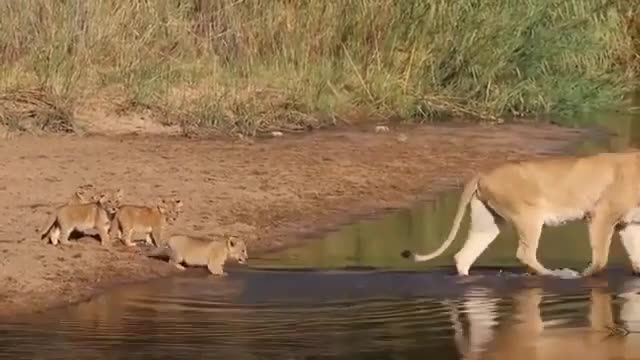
<point x="101" y="198"/>
<point x="178" y="203"/>
<point x="119" y="194"/>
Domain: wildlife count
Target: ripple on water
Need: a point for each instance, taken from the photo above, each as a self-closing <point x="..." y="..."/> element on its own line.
<point x="280" y="314"/>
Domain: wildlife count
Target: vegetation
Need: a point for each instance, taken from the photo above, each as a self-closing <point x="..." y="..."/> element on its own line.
<point x="256" y="65"/>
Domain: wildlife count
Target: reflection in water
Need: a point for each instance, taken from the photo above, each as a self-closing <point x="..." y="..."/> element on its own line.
<point x="349" y="315"/>
<point x="565" y="333"/>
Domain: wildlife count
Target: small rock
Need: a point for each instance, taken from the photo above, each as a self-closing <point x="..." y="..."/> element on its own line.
<point x="276" y="133"/>
<point x="381" y="128"/>
<point x="402" y="137"/>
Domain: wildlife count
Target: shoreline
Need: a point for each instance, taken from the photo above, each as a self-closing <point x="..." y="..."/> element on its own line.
<point x="274" y="193"/>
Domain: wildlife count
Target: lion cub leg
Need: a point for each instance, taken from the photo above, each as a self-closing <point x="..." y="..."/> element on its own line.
<point x="103" y="232"/>
<point x="156" y="236"/>
<point x="176" y="260"/>
<point x="65" y="232"/>
<point x="215" y="263"/>
<point x="147" y="239"/>
<point x="600" y="233"/>
<point x="54" y="235"/>
<point x="127" y="234"/>
<point x="529" y="228"/>
<point x="482" y="231"/>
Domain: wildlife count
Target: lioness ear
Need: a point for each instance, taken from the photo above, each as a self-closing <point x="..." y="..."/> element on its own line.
<point x="119" y="194"/>
<point x="230" y="243"/>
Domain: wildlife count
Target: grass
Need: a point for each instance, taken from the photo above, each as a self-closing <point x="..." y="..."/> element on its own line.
<point x="247" y="66"/>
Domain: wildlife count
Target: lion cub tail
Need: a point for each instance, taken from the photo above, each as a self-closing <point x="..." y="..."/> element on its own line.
<point x="469" y="189"/>
<point x="51" y="220"/>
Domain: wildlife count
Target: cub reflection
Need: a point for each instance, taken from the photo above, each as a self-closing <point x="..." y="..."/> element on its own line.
<point x="527" y="335"/>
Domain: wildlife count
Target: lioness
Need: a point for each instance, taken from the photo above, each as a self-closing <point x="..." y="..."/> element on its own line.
<point x="150" y="220"/>
<point x="605" y="188"/>
<point x="199" y="251"/>
<point x="81" y="216"/>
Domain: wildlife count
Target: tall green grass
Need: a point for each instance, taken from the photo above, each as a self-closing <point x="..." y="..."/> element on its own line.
<point x="258" y="65"/>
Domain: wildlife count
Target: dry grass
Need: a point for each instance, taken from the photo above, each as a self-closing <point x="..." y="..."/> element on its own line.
<point x="248" y="66"/>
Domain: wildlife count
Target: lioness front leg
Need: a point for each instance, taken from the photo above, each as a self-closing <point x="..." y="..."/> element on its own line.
<point x="529" y="229"/>
<point x="600" y="232"/>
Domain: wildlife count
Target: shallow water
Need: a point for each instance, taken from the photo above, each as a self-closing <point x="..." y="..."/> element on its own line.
<point x="352" y="296"/>
<point x="258" y="314"/>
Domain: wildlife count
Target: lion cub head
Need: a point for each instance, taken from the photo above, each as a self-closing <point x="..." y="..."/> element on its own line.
<point x="237" y="249"/>
<point x="170" y="209"/>
<point x="109" y="200"/>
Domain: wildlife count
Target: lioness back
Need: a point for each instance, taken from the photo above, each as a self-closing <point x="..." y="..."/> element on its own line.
<point x="558" y="186"/>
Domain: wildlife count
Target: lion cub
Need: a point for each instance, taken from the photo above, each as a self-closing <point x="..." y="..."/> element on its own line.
<point x="82" y="216"/>
<point x="199" y="251"/>
<point x="150" y="220"/>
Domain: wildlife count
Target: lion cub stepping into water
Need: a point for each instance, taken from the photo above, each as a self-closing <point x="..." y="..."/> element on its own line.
<point x="150" y="220"/>
<point x="198" y="251"/>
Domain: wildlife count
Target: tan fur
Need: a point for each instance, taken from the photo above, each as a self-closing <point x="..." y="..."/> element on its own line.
<point x="149" y="220"/>
<point x="603" y="188"/>
<point x="81" y="216"/>
<point x="199" y="251"/>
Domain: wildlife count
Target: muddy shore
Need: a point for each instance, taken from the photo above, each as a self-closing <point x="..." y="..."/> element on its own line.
<point x="271" y="192"/>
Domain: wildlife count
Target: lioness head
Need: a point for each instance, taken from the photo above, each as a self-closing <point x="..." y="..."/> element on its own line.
<point x="170" y="209"/>
<point x="237" y="250"/>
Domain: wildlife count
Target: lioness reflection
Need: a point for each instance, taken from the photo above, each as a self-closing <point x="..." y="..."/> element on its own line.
<point x="525" y="334"/>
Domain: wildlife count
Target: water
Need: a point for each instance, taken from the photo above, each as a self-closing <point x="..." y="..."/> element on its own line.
<point x="352" y="296"/>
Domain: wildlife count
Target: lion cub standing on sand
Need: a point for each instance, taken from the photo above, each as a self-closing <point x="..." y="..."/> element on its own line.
<point x="150" y="220"/>
<point x="82" y="216"/>
<point x="199" y="251"/>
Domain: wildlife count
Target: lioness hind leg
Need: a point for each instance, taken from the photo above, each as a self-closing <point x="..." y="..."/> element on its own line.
<point x="630" y="238"/>
<point x="600" y="233"/>
<point x="529" y="229"/>
<point x="482" y="231"/>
